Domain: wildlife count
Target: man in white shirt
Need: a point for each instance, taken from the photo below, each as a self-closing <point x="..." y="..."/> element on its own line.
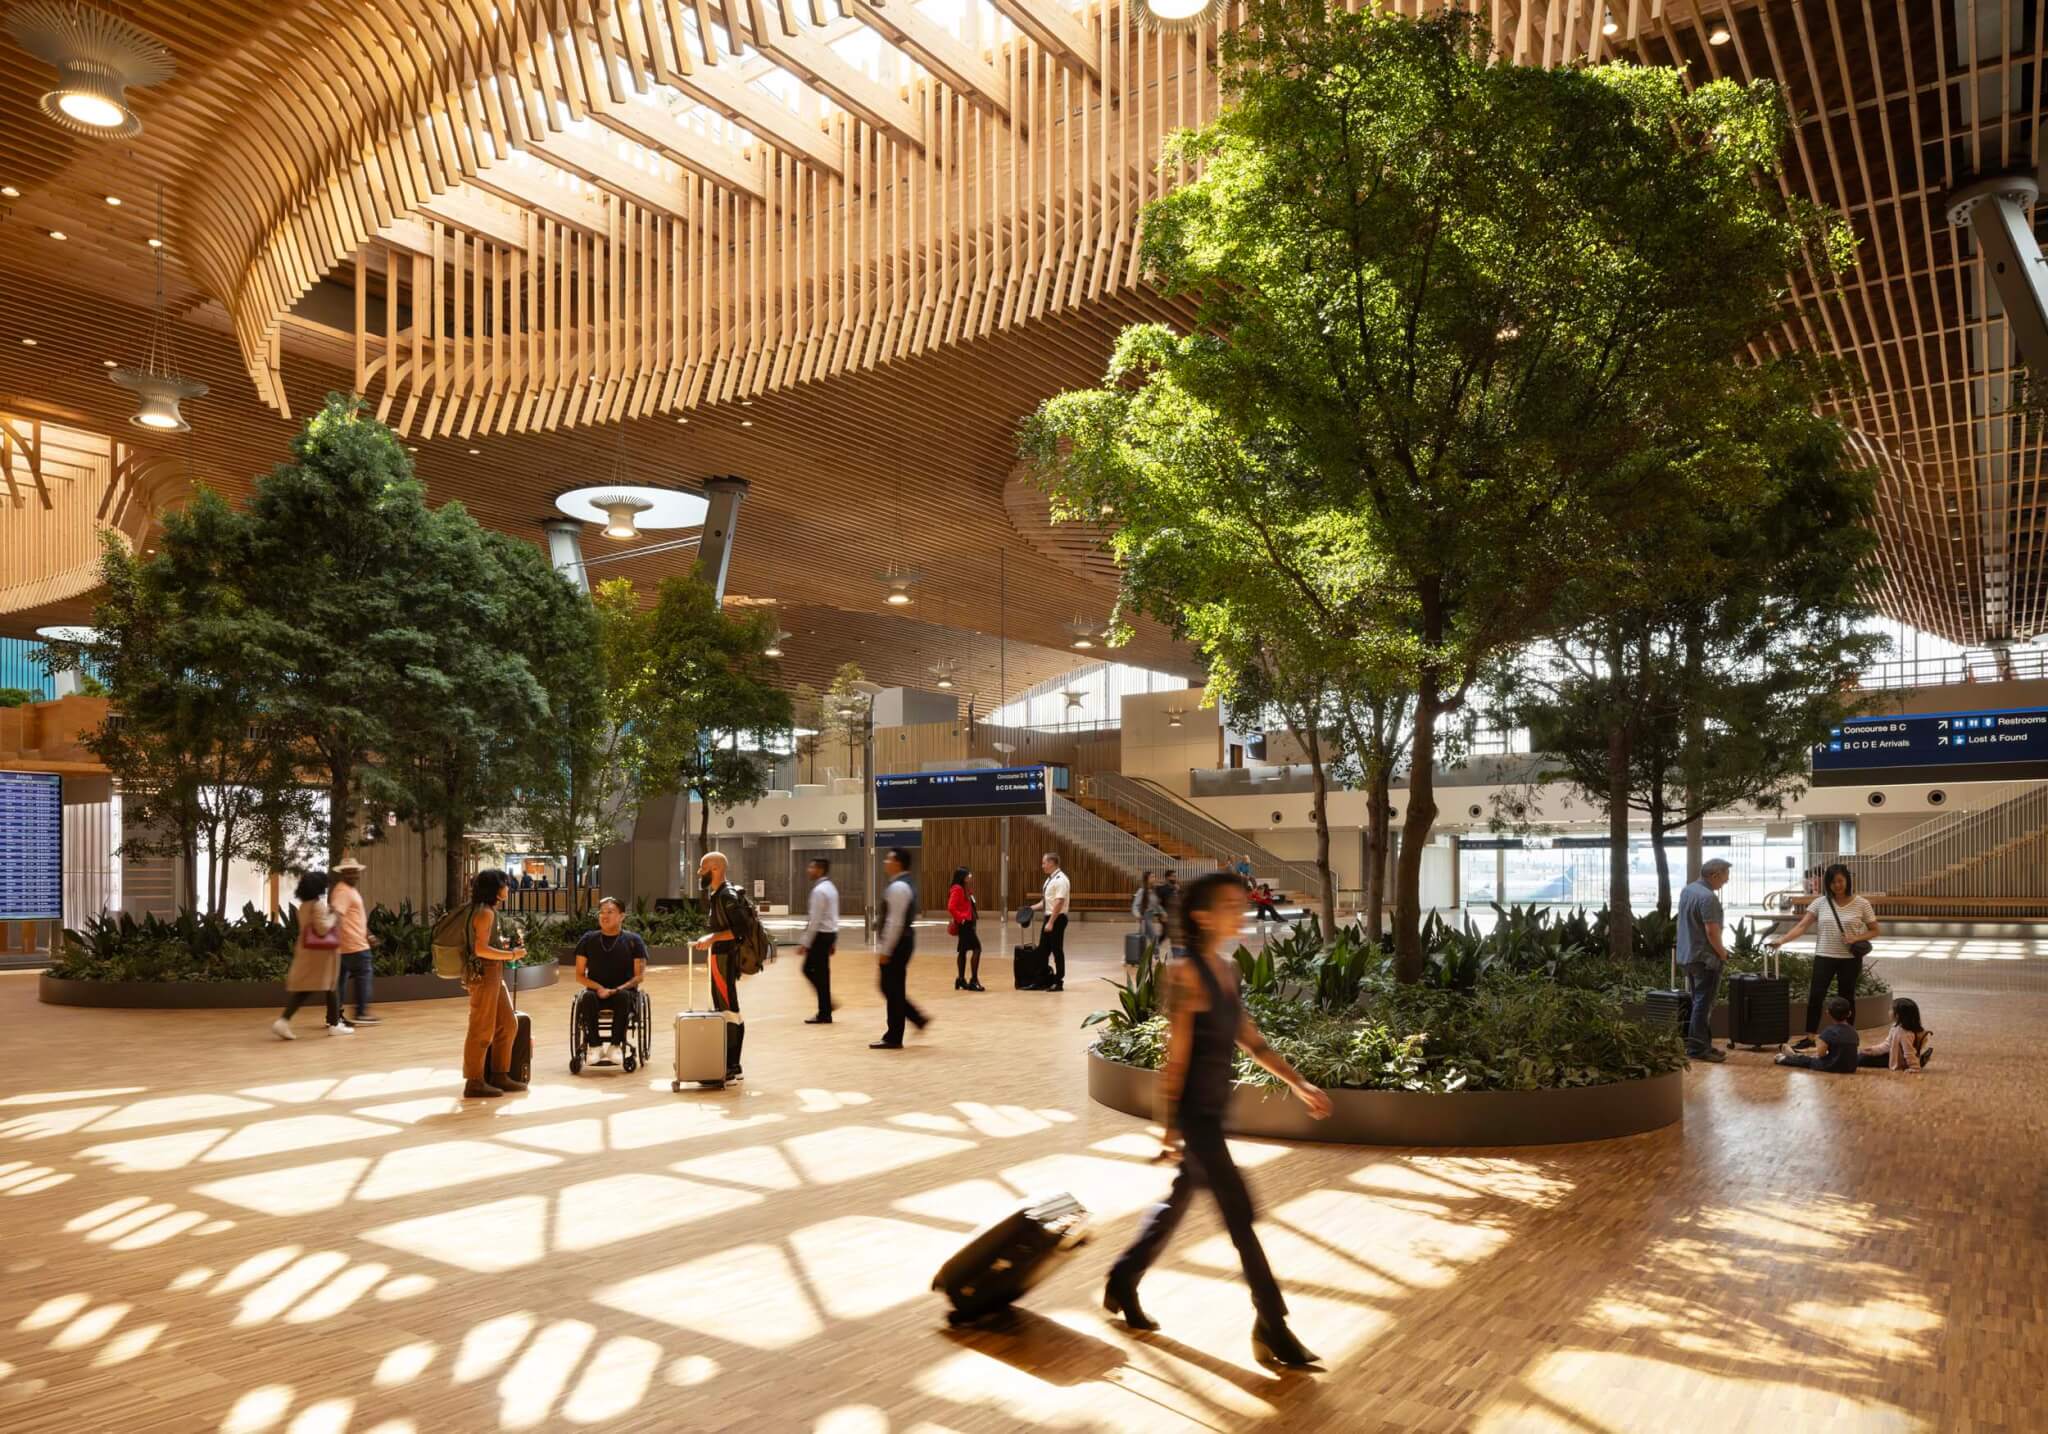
<point x="821" y="937"/>
<point x="1052" y="939"/>
<point x="899" y="910"/>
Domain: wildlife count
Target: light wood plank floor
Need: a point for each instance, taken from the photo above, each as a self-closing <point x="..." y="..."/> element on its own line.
<point x="208" y="1229"/>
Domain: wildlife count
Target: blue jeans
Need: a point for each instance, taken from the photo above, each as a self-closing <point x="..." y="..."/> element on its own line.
<point x="1704" y="978"/>
<point x="356" y="964"/>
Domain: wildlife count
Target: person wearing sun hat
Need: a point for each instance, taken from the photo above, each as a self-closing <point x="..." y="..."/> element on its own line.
<point x="353" y="920"/>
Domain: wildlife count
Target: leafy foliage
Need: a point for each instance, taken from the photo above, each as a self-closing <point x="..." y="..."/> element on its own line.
<point x="555" y="937"/>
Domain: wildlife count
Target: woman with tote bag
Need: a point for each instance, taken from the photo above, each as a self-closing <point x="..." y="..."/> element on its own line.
<point x="1844" y="924"/>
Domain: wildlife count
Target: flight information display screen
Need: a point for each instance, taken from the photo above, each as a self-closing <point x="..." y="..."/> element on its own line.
<point x="31" y="846"/>
<point x="1956" y="746"/>
<point x="984" y="792"/>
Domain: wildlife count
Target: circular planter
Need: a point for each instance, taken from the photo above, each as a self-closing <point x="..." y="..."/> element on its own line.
<point x="251" y="995"/>
<point x="1389" y="1117"/>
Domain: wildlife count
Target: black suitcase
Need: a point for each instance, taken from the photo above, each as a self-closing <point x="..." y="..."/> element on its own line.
<point x="1134" y="947"/>
<point x="1009" y="1255"/>
<point x="522" y="1048"/>
<point x="1759" y="1007"/>
<point x="1031" y="968"/>
<point x="1671" y="1006"/>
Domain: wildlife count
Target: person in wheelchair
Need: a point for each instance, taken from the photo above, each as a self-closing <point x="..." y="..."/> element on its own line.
<point x="611" y="962"/>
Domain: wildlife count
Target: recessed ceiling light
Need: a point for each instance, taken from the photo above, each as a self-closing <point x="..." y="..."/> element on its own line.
<point x="746" y="423"/>
<point x="108" y="363"/>
<point x="10" y="191"/>
<point x="115" y="200"/>
<point x="155" y="243"/>
<point x="746" y="403"/>
<point x="682" y="420"/>
<point x="410" y="449"/>
<point x="474" y="451"/>
<point x="58" y="234"/>
<point x="30" y="342"/>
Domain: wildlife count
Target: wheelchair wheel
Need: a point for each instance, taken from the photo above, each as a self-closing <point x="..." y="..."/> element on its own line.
<point x="575" y="1065"/>
<point x="632" y="1063"/>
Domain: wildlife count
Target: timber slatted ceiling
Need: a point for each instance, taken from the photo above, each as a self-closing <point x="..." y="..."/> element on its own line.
<point x="878" y="238"/>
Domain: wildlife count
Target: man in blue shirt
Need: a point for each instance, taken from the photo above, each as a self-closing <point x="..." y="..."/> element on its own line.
<point x="611" y="962"/>
<point x="1702" y="954"/>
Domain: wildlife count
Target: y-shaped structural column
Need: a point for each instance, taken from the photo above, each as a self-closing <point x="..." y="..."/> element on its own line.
<point x="1995" y="210"/>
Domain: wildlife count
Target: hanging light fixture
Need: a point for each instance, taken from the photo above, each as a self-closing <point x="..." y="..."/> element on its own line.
<point x="97" y="58"/>
<point x="899" y="581"/>
<point x="1610" y="27"/>
<point x="945" y="671"/>
<point x="774" y="647"/>
<point x="1174" y="716"/>
<point x="1178" y="14"/>
<point x="158" y="384"/>
<point x="1718" y="35"/>
<point x="1086" y="634"/>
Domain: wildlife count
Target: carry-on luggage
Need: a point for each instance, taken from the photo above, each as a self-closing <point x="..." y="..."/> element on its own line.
<point x="1009" y="1255"/>
<point x="700" y="1037"/>
<point x="1671" y="1006"/>
<point x="1134" y="947"/>
<point x="520" y="1068"/>
<point x="1031" y="968"/>
<point x="1760" y="1006"/>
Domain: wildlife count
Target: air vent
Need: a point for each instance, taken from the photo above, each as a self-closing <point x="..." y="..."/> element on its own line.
<point x="728" y="823"/>
<point x="842" y="819"/>
<point x="1937" y="797"/>
<point x="1475" y="811"/>
<point x="1875" y="799"/>
<point x="1276" y="819"/>
<point x="785" y="818"/>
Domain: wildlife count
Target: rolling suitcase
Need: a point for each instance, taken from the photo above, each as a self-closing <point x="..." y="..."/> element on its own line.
<point x="700" y="1038"/>
<point x="1760" y="1006"/>
<point x="1030" y="969"/>
<point x="1134" y="947"/>
<point x="1009" y="1255"/>
<point x="1671" y="1007"/>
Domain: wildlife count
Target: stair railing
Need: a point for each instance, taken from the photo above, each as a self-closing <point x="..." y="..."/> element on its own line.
<point x="1984" y="854"/>
<point x="1072" y="822"/>
<point x="1193" y="827"/>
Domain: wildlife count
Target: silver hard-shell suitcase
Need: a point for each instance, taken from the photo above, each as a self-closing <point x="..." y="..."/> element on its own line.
<point x="700" y="1037"/>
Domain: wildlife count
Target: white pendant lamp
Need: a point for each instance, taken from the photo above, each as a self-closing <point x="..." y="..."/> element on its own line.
<point x="1178" y="14"/>
<point x="157" y="383"/>
<point x="98" y="58"/>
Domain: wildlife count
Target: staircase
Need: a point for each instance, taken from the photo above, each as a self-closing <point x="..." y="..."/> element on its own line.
<point x="1994" y="856"/>
<point x="1170" y="824"/>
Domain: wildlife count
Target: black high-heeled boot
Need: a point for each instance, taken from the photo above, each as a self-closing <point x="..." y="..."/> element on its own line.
<point x="1274" y="1342"/>
<point x="1120" y="1297"/>
<point x="959" y="983"/>
<point x="735" y="1038"/>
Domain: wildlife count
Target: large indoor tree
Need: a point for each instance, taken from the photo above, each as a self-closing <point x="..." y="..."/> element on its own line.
<point x="1482" y="306"/>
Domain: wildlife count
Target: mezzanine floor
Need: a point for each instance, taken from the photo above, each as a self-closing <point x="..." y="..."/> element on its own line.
<point x="207" y="1229"/>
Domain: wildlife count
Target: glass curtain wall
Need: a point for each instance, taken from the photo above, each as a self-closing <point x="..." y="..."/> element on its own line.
<point x="1544" y="873"/>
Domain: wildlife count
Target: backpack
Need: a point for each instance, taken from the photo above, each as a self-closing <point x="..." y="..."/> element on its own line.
<point x="451" y="941"/>
<point x="744" y="922"/>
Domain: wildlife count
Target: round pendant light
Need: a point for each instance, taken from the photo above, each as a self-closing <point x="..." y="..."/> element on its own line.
<point x="157" y="382"/>
<point x="98" y="58"/>
<point x="621" y="513"/>
<point x="1178" y="14"/>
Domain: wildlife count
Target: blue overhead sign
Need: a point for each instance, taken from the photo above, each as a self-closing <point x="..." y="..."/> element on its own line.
<point x="31" y="846"/>
<point x="1957" y="745"/>
<point x="983" y="792"/>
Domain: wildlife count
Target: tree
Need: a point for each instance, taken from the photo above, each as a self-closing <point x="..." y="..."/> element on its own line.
<point x="706" y="701"/>
<point x="1473" y="301"/>
<point x="333" y="574"/>
<point x="191" y="744"/>
<point x="1718" y="680"/>
<point x="577" y="780"/>
<point x="840" y="710"/>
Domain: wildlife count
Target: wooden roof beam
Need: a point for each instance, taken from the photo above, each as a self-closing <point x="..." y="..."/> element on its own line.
<point x="580" y="209"/>
<point x="1051" y="27"/>
<point x="597" y="162"/>
<point x="958" y="64"/>
<point x="483" y="215"/>
<point x="725" y="93"/>
<point x="818" y="65"/>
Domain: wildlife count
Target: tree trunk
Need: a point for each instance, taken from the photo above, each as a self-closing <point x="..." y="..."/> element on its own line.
<point x="1321" y="810"/>
<point x="341" y="816"/>
<point x="1695" y="734"/>
<point x="453" y="832"/>
<point x="1415" y="828"/>
<point x="1657" y="846"/>
<point x="1620" y="919"/>
<point x="1376" y="832"/>
<point x="188" y="877"/>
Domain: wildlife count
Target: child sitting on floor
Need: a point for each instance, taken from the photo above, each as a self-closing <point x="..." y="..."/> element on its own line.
<point x="1838" y="1039"/>
<point x="1909" y="1046"/>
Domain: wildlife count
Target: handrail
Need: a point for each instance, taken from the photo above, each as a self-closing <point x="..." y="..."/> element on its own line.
<point x="1155" y="805"/>
<point x="1072" y="822"/>
<point x="1995" y="851"/>
<point x="1944" y="821"/>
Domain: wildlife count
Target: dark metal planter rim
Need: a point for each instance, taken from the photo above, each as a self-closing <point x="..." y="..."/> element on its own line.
<point x="249" y="995"/>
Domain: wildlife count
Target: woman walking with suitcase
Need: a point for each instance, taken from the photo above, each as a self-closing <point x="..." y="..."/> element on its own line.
<point x="1205" y="1025"/>
<point x="1844" y="925"/>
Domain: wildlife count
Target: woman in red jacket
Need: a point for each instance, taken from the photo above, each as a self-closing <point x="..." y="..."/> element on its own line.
<point x="960" y="905"/>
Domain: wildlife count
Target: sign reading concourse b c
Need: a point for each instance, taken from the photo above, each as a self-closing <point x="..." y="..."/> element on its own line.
<point x="1957" y="746"/>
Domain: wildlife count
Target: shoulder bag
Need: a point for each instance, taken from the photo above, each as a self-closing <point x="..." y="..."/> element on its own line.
<point x="1858" y="949"/>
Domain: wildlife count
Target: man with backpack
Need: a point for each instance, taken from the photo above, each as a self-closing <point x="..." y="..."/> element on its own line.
<point x="739" y="946"/>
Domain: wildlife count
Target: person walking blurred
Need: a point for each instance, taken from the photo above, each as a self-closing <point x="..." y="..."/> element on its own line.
<point x="347" y="904"/>
<point x="964" y="910"/>
<point x="893" y="951"/>
<point x="314" y="967"/>
<point x="821" y="937"/>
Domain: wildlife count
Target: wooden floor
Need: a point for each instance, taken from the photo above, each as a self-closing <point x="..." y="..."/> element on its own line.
<point x="208" y="1229"/>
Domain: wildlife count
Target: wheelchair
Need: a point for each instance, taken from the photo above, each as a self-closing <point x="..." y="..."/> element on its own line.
<point x="637" y="1040"/>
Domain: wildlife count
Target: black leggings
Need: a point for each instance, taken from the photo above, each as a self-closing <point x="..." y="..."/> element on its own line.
<point x="970" y="941"/>
<point x="295" y="999"/>
<point x="1842" y="972"/>
<point x="1206" y="1163"/>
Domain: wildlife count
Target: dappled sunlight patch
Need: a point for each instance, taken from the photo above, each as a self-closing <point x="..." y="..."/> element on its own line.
<point x="1411" y="1247"/>
<point x="812" y="1101"/>
<point x="57" y="1097"/>
<point x="296" y="1092"/>
<point x="488" y="1346"/>
<point x="1884" y="1328"/>
<point x="54" y="1311"/>
<point x="1297" y="1260"/>
<point x="91" y="1327"/>
<point x="1106" y="1188"/>
<point x="404" y="1364"/>
<point x="614" y="1381"/>
<point x="855" y="1152"/>
<point x="698" y="1296"/>
<point x="295" y="1132"/>
<point x="258" y="1410"/>
<point x="299" y="1190"/>
<point x="158" y="1231"/>
<point x="1136" y="1144"/>
<point x="601" y="1213"/>
<point x="191" y="1279"/>
<point x="19" y="1177"/>
<point x="1476" y="1177"/>
<point x="405" y="1287"/>
<point x="852" y="1419"/>
<point x="1576" y="1391"/>
<point x="287" y="1287"/>
<point x="415" y="1169"/>
<point x="925" y="1120"/>
<point x="486" y="1239"/>
<point x="965" y="1202"/>
<point x="1000" y="1122"/>
<point x="256" y="1268"/>
<point x="92" y="1219"/>
<point x="128" y="1344"/>
<point x="538" y="1377"/>
<point x="175" y="1110"/>
<point x="329" y="1416"/>
<point x="339" y="1294"/>
<point x="641" y="1128"/>
<point x="764" y="1167"/>
<point x="861" y="1265"/>
<point x="42" y="1124"/>
<point x="690" y="1371"/>
<point x="154" y="1154"/>
<point x="1812" y="1222"/>
<point x="538" y="1101"/>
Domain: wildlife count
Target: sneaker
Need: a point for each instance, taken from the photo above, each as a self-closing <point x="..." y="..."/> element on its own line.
<point x="817" y="1020"/>
<point x="364" y="1018"/>
<point x="1709" y="1054"/>
<point x="282" y="1029"/>
<point x="341" y="1028"/>
<point x="1804" y="1043"/>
